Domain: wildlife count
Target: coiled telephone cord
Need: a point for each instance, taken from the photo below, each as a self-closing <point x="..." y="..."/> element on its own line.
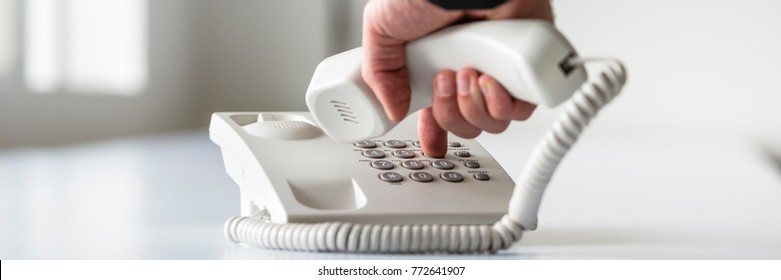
<point x="425" y="238"/>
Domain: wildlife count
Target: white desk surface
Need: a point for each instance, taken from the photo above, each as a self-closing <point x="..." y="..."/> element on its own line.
<point x="657" y="195"/>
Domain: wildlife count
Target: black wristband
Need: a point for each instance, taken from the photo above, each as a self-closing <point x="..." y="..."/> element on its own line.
<point x="467" y="4"/>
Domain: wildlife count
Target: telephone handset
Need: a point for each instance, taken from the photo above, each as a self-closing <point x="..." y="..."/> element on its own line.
<point x="380" y="193"/>
<point x="528" y="57"/>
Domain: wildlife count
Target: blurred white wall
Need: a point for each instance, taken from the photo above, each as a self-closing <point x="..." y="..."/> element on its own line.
<point x="205" y="56"/>
<point x="694" y="65"/>
<point x="260" y="55"/>
<point x="170" y="101"/>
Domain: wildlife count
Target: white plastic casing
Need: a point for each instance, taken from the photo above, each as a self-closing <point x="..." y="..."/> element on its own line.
<point x="284" y="163"/>
<point x="525" y="56"/>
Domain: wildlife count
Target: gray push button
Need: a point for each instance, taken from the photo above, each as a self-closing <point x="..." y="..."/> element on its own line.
<point x="472" y="164"/>
<point x="454" y="144"/>
<point x="416" y="143"/>
<point x="396" y="144"/>
<point x="442" y="164"/>
<point x="403" y="154"/>
<point x="366" y="144"/>
<point x="428" y="156"/>
<point x="373" y="154"/>
<point x="421" y="176"/>
<point x="382" y="164"/>
<point x="462" y="154"/>
<point x="451" y="176"/>
<point x="390" y="177"/>
<point x="482" y="176"/>
<point x="412" y="164"/>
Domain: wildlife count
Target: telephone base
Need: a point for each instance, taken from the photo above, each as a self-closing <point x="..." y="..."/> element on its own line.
<point x="283" y="163"/>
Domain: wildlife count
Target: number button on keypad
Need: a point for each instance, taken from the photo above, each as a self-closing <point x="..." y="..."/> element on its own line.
<point x="442" y="164"/>
<point x="382" y="164"/>
<point x="366" y="144"/>
<point x="373" y="154"/>
<point x="396" y="144"/>
<point x="412" y="164"/>
<point x="421" y="176"/>
<point x="404" y="154"/>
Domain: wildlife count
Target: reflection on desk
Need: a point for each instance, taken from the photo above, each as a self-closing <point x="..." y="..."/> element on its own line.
<point x="614" y="197"/>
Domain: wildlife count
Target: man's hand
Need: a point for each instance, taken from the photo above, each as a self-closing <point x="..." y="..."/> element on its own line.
<point x="464" y="102"/>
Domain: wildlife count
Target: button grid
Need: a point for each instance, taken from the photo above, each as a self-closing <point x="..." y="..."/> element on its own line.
<point x="449" y="171"/>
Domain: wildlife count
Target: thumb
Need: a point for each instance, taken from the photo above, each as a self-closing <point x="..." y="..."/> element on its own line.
<point x="391" y="86"/>
<point x="388" y="26"/>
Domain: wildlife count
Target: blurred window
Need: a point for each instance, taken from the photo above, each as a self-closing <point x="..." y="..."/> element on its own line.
<point x="85" y="46"/>
<point x="8" y="37"/>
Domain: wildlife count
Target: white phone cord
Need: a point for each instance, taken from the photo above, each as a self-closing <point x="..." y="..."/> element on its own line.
<point x="428" y="238"/>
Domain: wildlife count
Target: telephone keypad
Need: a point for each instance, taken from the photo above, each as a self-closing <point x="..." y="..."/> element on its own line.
<point x="448" y="169"/>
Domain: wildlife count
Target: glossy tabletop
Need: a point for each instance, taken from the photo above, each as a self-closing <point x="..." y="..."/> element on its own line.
<point x="642" y="195"/>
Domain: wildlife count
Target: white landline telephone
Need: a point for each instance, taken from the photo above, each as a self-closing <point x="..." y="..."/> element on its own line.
<point x="372" y="190"/>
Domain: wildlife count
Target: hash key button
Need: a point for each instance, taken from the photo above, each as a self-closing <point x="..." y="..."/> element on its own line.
<point x="451" y="176"/>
